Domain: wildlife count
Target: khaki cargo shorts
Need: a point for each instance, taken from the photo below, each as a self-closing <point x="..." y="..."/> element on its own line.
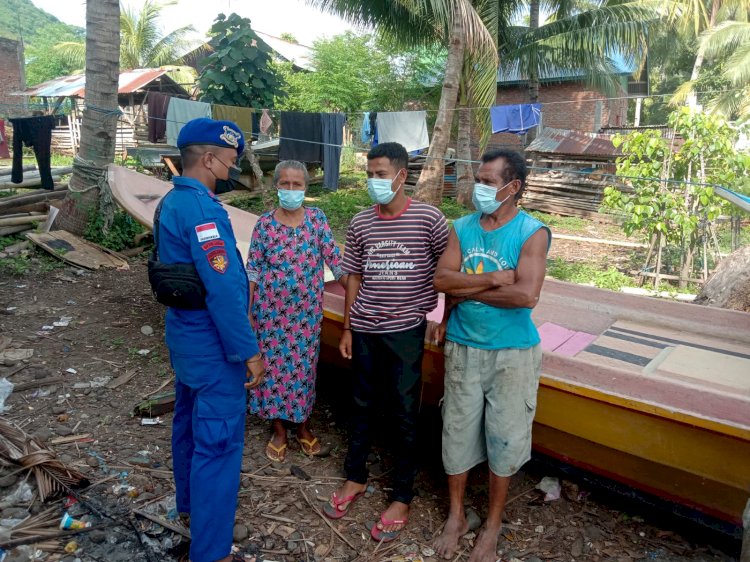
<point x="488" y="407"/>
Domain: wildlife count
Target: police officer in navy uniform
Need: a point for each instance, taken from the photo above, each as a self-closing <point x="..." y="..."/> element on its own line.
<point x="213" y="351"/>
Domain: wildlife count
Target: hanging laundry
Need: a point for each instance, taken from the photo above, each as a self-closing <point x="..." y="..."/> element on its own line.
<point x="301" y="136"/>
<point x="180" y="112"/>
<point x="408" y="128"/>
<point x="265" y="122"/>
<point x="4" y="149"/>
<point x="243" y="116"/>
<point x="516" y="119"/>
<point x="157" y="116"/>
<point x="333" y="138"/>
<point x="35" y="132"/>
<point x="367" y="132"/>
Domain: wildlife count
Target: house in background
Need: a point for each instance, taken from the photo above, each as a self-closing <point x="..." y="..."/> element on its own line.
<point x="568" y="101"/>
<point x="11" y="77"/>
<point x="299" y="55"/>
<point x="65" y="96"/>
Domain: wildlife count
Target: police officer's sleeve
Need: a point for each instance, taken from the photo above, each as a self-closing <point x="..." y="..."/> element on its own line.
<point x="218" y="263"/>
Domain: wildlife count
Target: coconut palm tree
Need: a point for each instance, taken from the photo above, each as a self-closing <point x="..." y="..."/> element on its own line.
<point x="458" y="25"/>
<point x="142" y="43"/>
<point x="731" y="39"/>
<point x="695" y="17"/>
<point x="580" y="37"/>
<point x="99" y="124"/>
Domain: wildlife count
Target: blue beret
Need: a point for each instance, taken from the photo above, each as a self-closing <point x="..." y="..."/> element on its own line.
<point x="208" y="131"/>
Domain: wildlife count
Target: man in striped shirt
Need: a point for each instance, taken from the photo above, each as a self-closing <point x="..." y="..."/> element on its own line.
<point x="392" y="250"/>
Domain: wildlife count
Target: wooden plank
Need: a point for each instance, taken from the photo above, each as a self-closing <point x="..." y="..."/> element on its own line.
<point x="76" y="251"/>
<point x="172" y="168"/>
<point x="122" y="379"/>
<point x="69" y="439"/>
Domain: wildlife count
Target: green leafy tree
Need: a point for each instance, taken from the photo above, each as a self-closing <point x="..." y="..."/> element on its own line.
<point x="355" y="73"/>
<point x="43" y="61"/>
<point x="669" y="203"/>
<point x="240" y="69"/>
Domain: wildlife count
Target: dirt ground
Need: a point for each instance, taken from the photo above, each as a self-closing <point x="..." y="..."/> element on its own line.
<point x="116" y="329"/>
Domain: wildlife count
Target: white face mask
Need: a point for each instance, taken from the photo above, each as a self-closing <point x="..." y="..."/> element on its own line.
<point x="485" y="197"/>
<point x="381" y="190"/>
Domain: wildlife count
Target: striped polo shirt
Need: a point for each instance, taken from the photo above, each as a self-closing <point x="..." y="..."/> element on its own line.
<point x="396" y="257"/>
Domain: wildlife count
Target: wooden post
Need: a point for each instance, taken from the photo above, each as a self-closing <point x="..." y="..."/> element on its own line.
<point x="659" y="251"/>
<point x="745" y="555"/>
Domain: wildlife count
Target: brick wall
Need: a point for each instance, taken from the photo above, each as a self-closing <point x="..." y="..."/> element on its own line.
<point x="583" y="113"/>
<point x="10" y="76"/>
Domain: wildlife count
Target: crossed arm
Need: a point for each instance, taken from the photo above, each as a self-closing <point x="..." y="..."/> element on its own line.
<point x="519" y="288"/>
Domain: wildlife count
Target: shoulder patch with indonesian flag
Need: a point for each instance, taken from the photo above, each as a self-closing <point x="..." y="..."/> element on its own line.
<point x="207" y="232"/>
<point x="218" y="260"/>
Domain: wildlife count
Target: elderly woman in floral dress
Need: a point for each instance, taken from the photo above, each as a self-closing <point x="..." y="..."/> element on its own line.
<point x="285" y="266"/>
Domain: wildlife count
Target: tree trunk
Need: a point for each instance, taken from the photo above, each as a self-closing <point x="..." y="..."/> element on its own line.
<point x="99" y="123"/>
<point x="692" y="99"/>
<point x="534" y="67"/>
<point x="430" y="184"/>
<point x="729" y="285"/>
<point x="464" y="168"/>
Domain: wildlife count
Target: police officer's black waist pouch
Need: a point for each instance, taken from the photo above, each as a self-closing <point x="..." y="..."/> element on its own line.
<point x="176" y="285"/>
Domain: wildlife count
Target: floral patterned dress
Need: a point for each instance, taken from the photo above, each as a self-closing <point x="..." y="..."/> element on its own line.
<point x="286" y="263"/>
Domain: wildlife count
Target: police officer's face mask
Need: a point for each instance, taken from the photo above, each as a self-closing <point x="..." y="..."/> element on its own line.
<point x="233" y="177"/>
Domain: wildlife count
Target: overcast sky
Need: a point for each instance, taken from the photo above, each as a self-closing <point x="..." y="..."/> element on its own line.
<point x="269" y="16"/>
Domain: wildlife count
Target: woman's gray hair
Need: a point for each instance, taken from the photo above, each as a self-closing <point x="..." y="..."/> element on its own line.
<point x="290" y="165"/>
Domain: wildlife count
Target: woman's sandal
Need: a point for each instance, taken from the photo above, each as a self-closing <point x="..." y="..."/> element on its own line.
<point x="309" y="448"/>
<point x="274" y="453"/>
<point x="335" y="511"/>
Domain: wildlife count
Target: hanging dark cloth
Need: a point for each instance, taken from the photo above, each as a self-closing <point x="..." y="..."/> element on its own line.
<point x="4" y="149"/>
<point x="301" y="136"/>
<point x="333" y="137"/>
<point x="35" y="132"/>
<point x="158" y="104"/>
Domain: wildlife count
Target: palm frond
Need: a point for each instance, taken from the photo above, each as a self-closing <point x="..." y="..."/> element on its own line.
<point x="19" y="448"/>
<point x="732" y="104"/>
<point x="72" y="52"/>
<point x="682" y="93"/>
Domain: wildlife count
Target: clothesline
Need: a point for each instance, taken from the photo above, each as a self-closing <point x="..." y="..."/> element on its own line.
<point x="558" y="102"/>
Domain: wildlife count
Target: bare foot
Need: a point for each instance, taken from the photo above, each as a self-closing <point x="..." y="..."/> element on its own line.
<point x="454" y="528"/>
<point x="485" y="547"/>
<point x="397" y="511"/>
<point x="348" y="489"/>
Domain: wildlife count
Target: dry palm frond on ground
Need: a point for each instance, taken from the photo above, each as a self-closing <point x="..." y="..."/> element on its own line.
<point x="18" y="448"/>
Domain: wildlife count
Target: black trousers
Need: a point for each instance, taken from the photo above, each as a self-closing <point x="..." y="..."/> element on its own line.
<point x="387" y="367"/>
<point x="35" y="132"/>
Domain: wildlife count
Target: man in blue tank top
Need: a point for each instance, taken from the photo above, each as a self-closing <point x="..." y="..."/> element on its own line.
<point x="492" y="273"/>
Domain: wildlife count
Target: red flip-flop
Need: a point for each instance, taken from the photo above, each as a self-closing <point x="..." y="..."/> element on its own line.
<point x="335" y="511"/>
<point x="387" y="536"/>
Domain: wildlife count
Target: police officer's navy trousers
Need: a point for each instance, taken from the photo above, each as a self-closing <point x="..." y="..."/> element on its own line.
<point x="208" y="436"/>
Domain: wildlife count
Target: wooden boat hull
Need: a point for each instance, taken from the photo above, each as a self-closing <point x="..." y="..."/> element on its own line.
<point x="650" y="393"/>
<point x="588" y="414"/>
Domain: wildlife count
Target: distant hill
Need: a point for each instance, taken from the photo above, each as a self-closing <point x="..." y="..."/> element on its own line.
<point x="23" y="14"/>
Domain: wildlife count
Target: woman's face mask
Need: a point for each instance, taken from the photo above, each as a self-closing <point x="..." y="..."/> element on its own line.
<point x="381" y="190"/>
<point x="485" y="197"/>
<point x="291" y="199"/>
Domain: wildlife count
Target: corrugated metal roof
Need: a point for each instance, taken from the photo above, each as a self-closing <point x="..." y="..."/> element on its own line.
<point x="297" y="54"/>
<point x="512" y="74"/>
<point x="573" y="143"/>
<point x="74" y="85"/>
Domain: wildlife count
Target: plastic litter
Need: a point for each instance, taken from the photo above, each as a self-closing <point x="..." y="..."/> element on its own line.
<point x="6" y="388"/>
<point x="67" y="522"/>
<point x="551" y="488"/>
